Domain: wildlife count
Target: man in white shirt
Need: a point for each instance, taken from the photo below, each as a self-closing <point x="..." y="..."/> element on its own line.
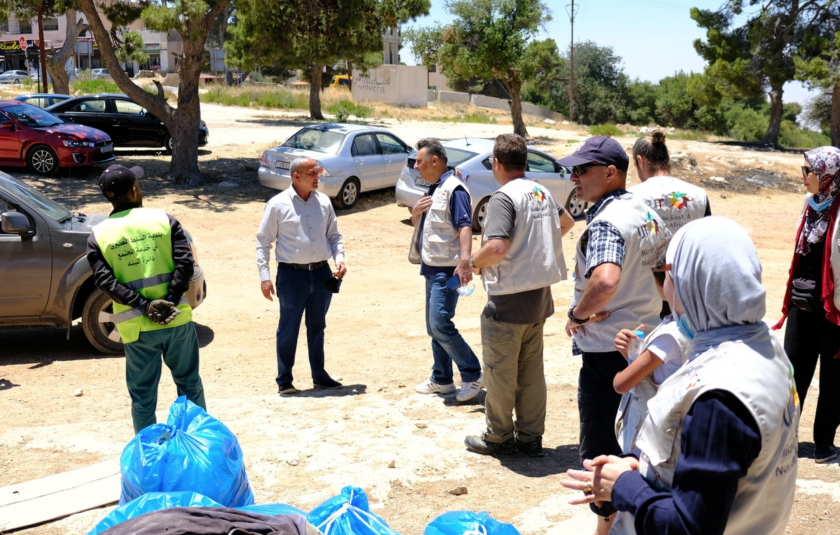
<point x="301" y="225"/>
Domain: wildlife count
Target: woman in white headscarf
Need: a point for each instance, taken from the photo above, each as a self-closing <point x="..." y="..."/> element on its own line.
<point x="813" y="296"/>
<point x="717" y="452"/>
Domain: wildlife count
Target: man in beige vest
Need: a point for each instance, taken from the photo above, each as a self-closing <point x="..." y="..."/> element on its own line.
<point x="521" y="257"/>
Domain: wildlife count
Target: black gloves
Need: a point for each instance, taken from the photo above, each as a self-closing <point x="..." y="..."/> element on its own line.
<point x="160" y="311"/>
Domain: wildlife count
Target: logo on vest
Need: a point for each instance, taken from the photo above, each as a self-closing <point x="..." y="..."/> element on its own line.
<point x="678" y="200"/>
<point x="539" y="194"/>
<point x="651" y="228"/>
<point x="693" y="381"/>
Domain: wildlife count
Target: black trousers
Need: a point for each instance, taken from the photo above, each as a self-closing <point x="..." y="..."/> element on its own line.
<point x="810" y="338"/>
<point x="598" y="404"/>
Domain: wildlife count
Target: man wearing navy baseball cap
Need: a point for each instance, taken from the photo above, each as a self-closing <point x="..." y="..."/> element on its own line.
<point x="614" y="289"/>
<point x="141" y="259"/>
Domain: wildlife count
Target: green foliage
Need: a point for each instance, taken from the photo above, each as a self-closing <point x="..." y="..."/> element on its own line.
<point x="673" y="100"/>
<point x="745" y="124"/>
<point x="476" y="117"/>
<point x="132" y="49"/>
<point x="279" y="98"/>
<point x="91" y="86"/>
<point x="607" y="129"/>
<point x="345" y="108"/>
<point x="792" y="136"/>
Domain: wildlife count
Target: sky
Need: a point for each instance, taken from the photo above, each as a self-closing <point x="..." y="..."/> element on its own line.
<point x="654" y="37"/>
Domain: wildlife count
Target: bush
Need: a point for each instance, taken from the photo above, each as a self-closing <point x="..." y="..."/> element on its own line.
<point x="92" y="86"/>
<point x="794" y="137"/>
<point x="606" y="129"/>
<point x="265" y="98"/>
<point x="345" y="108"/>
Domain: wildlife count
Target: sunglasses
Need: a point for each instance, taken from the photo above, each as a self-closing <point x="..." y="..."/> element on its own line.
<point x="806" y="170"/>
<point x="580" y="170"/>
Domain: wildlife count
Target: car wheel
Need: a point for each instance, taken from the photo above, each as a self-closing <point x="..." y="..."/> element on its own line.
<point x="480" y="215"/>
<point x="575" y="206"/>
<point x="167" y="143"/>
<point x="349" y="194"/>
<point x="17" y="81"/>
<point x="96" y="322"/>
<point x="42" y="160"/>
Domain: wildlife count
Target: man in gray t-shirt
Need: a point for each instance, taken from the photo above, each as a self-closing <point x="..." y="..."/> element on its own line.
<point x="520" y="258"/>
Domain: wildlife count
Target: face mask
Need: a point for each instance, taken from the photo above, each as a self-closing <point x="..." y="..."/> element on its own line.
<point x="819" y="207"/>
<point x="682" y="324"/>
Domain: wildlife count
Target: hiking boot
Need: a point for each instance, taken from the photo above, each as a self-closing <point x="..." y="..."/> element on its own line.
<point x="471" y="389"/>
<point x="328" y="383"/>
<point x="479" y="445"/>
<point x="431" y="387"/>
<point x="823" y="453"/>
<point x="288" y="388"/>
<point x="533" y="448"/>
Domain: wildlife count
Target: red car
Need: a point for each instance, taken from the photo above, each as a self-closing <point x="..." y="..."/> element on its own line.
<point x="30" y="136"/>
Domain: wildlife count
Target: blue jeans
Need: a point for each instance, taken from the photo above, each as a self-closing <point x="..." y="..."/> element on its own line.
<point x="447" y="343"/>
<point x="302" y="291"/>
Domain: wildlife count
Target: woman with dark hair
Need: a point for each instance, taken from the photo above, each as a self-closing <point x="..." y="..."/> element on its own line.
<point x="677" y="202"/>
<point x="717" y="450"/>
<point x="812" y="298"/>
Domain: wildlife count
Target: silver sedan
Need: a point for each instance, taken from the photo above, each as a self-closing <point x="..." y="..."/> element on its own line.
<point x="469" y="157"/>
<point x="356" y="158"/>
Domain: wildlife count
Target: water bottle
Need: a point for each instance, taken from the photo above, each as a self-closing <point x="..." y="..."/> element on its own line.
<point x="466" y="291"/>
<point x="636" y="347"/>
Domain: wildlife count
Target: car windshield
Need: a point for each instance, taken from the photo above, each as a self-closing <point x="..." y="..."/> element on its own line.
<point x="316" y="139"/>
<point x="23" y="192"/>
<point x="456" y="157"/>
<point x="32" y="115"/>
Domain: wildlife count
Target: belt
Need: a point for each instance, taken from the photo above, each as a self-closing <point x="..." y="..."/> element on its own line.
<point x="304" y="267"/>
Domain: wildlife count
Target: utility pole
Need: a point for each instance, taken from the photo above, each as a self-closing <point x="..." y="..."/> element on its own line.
<point x="572" y="11"/>
<point x="41" y="47"/>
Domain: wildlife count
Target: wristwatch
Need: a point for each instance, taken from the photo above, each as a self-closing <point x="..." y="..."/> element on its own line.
<point x="472" y="266"/>
<point x="573" y="319"/>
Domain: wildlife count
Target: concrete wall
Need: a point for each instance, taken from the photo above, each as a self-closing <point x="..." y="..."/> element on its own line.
<point x="451" y="96"/>
<point x="432" y="95"/>
<point x="436" y="79"/>
<point x="395" y="84"/>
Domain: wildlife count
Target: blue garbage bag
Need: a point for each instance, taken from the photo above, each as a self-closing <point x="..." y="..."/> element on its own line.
<point x="468" y="523"/>
<point x="151" y="501"/>
<point x="155" y="501"/>
<point x="348" y="514"/>
<point x="192" y="452"/>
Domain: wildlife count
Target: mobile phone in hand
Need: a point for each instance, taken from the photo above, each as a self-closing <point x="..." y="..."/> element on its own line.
<point x="453" y="283"/>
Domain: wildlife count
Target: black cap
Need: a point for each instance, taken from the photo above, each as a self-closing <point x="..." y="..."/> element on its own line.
<point x="117" y="180"/>
<point x="602" y="150"/>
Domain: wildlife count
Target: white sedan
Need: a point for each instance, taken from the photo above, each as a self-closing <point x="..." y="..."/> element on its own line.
<point x="355" y="158"/>
<point x="469" y="157"/>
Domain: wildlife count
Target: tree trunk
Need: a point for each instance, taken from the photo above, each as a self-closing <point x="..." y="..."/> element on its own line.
<point x="835" y="115"/>
<point x="183" y="121"/>
<point x="55" y="65"/>
<point x="514" y="88"/>
<point x="771" y="138"/>
<point x="316" y="74"/>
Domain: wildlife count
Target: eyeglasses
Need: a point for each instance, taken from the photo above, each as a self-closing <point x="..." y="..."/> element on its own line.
<point x="806" y="170"/>
<point x="491" y="159"/>
<point x="581" y="170"/>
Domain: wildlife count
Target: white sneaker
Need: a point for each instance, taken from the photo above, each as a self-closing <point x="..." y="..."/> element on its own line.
<point x="470" y="390"/>
<point x="431" y="387"/>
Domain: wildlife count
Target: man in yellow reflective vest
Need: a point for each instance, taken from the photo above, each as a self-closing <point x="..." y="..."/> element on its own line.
<point x="141" y="258"/>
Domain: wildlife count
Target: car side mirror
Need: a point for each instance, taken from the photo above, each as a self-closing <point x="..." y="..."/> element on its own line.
<point x="15" y="223"/>
<point x="8" y="125"/>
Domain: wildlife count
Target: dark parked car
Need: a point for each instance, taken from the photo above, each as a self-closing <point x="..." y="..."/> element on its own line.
<point x="42" y="100"/>
<point x="128" y="123"/>
<point x="45" y="278"/>
<point x="30" y="136"/>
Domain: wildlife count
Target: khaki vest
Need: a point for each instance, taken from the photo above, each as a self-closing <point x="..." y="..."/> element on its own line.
<point x="677" y="202"/>
<point x="633" y="407"/>
<point x="757" y="372"/>
<point x="137" y="245"/>
<point x="636" y="301"/>
<point x="441" y="244"/>
<point x="535" y="258"/>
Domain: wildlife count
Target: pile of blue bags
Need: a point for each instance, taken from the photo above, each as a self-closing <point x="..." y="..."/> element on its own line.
<point x="195" y="461"/>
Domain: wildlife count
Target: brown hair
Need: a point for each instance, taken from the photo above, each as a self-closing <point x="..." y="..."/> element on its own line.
<point x="511" y="152"/>
<point x="653" y="149"/>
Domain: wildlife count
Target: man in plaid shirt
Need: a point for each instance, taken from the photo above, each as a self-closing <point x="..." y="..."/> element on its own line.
<point x="614" y="289"/>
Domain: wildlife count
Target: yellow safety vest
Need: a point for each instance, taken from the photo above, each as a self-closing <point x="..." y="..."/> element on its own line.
<point x="137" y="244"/>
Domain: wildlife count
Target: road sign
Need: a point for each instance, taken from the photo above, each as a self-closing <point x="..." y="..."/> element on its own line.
<point x="23" y="43"/>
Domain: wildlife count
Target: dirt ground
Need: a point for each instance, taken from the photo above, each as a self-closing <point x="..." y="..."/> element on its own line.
<point x="302" y="449"/>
